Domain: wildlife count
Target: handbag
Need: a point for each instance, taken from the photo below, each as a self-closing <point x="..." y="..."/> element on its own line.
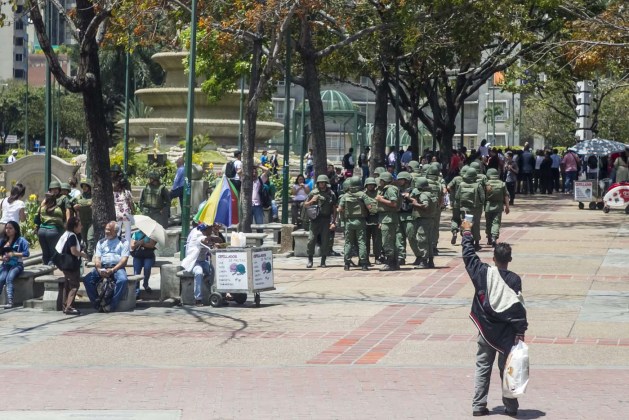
<point x="143" y="252"/>
<point x="313" y="211"/>
<point x="65" y="261"/>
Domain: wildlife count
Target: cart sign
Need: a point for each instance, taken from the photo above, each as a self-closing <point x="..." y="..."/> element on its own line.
<point x="583" y="191"/>
<point x="231" y="270"/>
<point x="262" y="269"/>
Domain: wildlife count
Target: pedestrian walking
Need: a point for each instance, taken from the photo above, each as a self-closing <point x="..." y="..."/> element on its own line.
<point x="555" y="169"/>
<point x="571" y="163"/>
<point x="511" y="176"/>
<point x="176" y="191"/>
<point x="455" y="220"/>
<point x="471" y="198"/>
<point x="363" y="162"/>
<point x="497" y="312"/>
<point x="496" y="201"/>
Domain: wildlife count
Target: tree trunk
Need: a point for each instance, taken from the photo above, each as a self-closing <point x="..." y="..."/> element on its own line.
<point x="248" y="144"/>
<point x="306" y="50"/>
<point x="379" y="138"/>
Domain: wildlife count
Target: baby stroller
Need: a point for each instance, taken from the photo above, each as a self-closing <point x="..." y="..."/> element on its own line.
<point x="617" y="197"/>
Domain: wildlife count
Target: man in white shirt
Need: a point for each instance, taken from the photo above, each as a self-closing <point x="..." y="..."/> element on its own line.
<point x="12" y="157"/>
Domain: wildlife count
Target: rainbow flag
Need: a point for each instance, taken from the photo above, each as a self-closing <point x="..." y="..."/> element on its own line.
<point x="221" y="207"/>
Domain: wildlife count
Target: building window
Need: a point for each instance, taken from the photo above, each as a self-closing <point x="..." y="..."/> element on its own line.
<point x="279" y="109"/>
<point x="471" y="110"/>
<point x="18" y="57"/>
<point x="18" y="74"/>
<point x="19" y="9"/>
<point x="500" y="140"/>
<point x="501" y="110"/>
<point x="18" y="41"/>
<point x="19" y="25"/>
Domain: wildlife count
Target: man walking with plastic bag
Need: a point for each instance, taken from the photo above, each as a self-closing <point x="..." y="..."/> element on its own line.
<point x="499" y="314"/>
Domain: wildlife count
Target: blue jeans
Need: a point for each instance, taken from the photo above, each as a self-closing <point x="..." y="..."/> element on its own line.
<point x="258" y="214"/>
<point x="7" y="275"/>
<point x="93" y="278"/>
<point x="571" y="176"/>
<point x="365" y="170"/>
<point x="200" y="270"/>
<point x="138" y="265"/>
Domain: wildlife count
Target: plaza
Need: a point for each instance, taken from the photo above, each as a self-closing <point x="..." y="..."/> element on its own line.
<point x="331" y="344"/>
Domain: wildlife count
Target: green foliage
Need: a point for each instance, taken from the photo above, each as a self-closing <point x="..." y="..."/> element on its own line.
<point x="613" y="121"/>
<point x="28" y="227"/>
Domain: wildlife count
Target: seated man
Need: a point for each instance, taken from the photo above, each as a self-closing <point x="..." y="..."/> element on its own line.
<point x="110" y="259"/>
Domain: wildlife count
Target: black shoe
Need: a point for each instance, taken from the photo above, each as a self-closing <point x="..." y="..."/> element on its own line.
<point x="483" y="411"/>
<point x="417" y="261"/>
<point x="490" y="241"/>
<point x="422" y="264"/>
<point x="72" y="311"/>
<point x="365" y="267"/>
<point x="346" y="268"/>
<point x="431" y="263"/>
<point x="477" y="246"/>
<point x="309" y="265"/>
<point x="453" y="240"/>
<point x="198" y="303"/>
<point x="511" y="413"/>
<point x="435" y="251"/>
<point x="322" y="265"/>
<point x="401" y="261"/>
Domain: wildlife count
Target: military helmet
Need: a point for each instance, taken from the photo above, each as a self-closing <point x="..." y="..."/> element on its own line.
<point x="470" y="175"/>
<point x="115" y="168"/>
<point x="475" y="165"/>
<point x="404" y="175"/>
<point x="379" y="170"/>
<point x="65" y="186"/>
<point x="370" y="181"/>
<point x="323" y="178"/>
<point x="355" y="182"/>
<point x="422" y="183"/>
<point x="87" y="182"/>
<point x="54" y="184"/>
<point x="153" y="175"/>
<point x="414" y="165"/>
<point x="432" y="170"/>
<point x="386" y="177"/>
<point x="492" y="172"/>
<point x="464" y="169"/>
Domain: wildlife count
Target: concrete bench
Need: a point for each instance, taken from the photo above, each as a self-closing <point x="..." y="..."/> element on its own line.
<point x="301" y="244"/>
<point x="24" y="286"/>
<point x="255" y="239"/>
<point x="127" y="303"/>
<point x="187" y="288"/>
<point x="172" y="243"/>
<point x="53" y="295"/>
<point x="274" y="228"/>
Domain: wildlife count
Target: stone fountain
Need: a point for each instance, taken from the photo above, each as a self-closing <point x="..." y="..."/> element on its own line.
<point x="167" y="121"/>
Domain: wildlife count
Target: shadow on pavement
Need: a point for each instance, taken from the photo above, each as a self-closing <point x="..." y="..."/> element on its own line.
<point x="522" y="414"/>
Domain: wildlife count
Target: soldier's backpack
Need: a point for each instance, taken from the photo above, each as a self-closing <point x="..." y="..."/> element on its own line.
<point x="468" y="195"/>
<point x="494" y="191"/>
<point x="354" y="205"/>
<point x="104" y="293"/>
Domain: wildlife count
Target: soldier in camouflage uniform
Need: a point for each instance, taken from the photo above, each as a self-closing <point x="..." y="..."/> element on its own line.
<point x="424" y="208"/>
<point x="64" y="201"/>
<point x="372" y="232"/>
<point x="155" y="200"/>
<point x="323" y="197"/>
<point x="353" y="208"/>
<point x="433" y="175"/>
<point x="407" y="229"/>
<point x="83" y="208"/>
<point x="471" y="198"/>
<point x="496" y="201"/>
<point x="388" y="205"/>
<point x="455" y="221"/>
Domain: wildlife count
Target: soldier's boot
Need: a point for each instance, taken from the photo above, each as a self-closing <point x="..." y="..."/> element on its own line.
<point x="477" y="246"/>
<point x="453" y="240"/>
<point x="431" y="263"/>
<point x="346" y="268"/>
<point x="417" y="262"/>
<point x="389" y="265"/>
<point x="401" y="261"/>
<point x="365" y="267"/>
<point x="322" y="265"/>
<point x="423" y="263"/>
<point x="435" y="251"/>
<point x="309" y="265"/>
<point x="490" y="240"/>
<point x="494" y="242"/>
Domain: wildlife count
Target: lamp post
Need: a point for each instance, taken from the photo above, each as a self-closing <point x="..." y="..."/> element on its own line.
<point x="26" y="51"/>
<point x="486" y="115"/>
<point x="493" y="112"/>
<point x="397" y="116"/>
<point x="127" y="75"/>
<point x="48" y="103"/>
<point x="286" y="167"/>
<point x="240" y="115"/>
<point x="185" y="214"/>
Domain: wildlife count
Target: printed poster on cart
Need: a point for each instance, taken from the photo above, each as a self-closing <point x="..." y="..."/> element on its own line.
<point x="231" y="271"/>
<point x="583" y="191"/>
<point x="262" y="269"/>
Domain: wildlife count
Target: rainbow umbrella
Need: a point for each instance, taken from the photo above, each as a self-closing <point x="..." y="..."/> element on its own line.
<point x="221" y="207"/>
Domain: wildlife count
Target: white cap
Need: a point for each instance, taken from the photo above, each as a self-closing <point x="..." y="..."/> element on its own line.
<point x="14" y="152"/>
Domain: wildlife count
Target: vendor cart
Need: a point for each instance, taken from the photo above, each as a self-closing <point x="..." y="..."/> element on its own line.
<point x="239" y="271"/>
<point x="589" y="191"/>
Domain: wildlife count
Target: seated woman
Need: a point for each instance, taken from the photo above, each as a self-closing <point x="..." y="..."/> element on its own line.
<point x="14" y="248"/>
<point x="300" y="192"/>
<point x="143" y="253"/>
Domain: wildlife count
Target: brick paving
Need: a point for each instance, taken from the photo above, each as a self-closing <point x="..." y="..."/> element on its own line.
<point x="354" y="345"/>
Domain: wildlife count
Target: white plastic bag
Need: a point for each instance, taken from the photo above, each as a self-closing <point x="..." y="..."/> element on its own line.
<point x="516" y="373"/>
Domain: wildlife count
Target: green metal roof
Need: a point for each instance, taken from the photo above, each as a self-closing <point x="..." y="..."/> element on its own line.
<point x="333" y="100"/>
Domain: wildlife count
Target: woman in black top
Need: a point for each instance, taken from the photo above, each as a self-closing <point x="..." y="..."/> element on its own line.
<point x="72" y="247"/>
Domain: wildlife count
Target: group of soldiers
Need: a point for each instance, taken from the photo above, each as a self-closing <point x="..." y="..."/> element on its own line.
<point x="391" y="213"/>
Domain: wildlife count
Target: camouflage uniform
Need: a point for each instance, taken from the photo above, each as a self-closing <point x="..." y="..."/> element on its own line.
<point x="389" y="219"/>
<point x="424" y="206"/>
<point x="495" y="194"/>
<point x="320" y="226"/>
<point x="353" y="210"/>
<point x="155" y="200"/>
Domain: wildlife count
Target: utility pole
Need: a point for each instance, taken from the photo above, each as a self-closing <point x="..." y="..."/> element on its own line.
<point x="286" y="168"/>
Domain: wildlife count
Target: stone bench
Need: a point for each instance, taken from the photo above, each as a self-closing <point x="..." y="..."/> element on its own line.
<point x="127" y="303"/>
<point x="53" y="296"/>
<point x="173" y="236"/>
<point x="186" y="279"/>
<point x="275" y="228"/>
<point x="24" y="286"/>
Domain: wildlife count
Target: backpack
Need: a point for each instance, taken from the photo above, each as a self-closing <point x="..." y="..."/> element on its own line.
<point x="230" y="169"/>
<point x="592" y="162"/>
<point x="104" y="293"/>
<point x="494" y="191"/>
<point x="468" y="196"/>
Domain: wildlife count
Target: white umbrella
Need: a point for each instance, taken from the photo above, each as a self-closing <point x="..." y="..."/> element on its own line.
<point x="151" y="228"/>
<point x="598" y="147"/>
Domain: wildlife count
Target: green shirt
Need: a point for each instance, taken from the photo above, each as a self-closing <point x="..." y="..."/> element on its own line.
<point x="327" y="201"/>
<point x="387" y="214"/>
